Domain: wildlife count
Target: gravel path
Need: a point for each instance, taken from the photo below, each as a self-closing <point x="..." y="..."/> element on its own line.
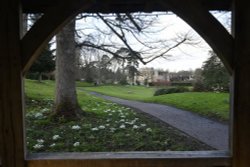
<point x="208" y="131"/>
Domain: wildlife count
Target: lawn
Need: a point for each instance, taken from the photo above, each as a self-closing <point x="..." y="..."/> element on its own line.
<point x="213" y="105"/>
<point x="209" y="104"/>
<point x="125" y="92"/>
<point x="105" y="126"/>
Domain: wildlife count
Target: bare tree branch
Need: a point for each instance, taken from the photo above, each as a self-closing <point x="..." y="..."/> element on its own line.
<point x="133" y="21"/>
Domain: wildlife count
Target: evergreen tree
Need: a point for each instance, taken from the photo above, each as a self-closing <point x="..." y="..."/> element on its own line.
<point x="44" y="64"/>
<point x="215" y="75"/>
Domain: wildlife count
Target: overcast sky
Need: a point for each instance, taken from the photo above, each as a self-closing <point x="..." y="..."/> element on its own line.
<point x="185" y="57"/>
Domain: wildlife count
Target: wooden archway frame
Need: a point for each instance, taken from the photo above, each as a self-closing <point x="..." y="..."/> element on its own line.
<point x="191" y="11"/>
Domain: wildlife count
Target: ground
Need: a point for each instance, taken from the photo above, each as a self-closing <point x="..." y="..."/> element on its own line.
<point x="105" y="127"/>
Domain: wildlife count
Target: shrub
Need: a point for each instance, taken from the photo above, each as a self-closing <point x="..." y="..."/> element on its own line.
<point x="199" y="87"/>
<point x="170" y="90"/>
<point x="123" y="82"/>
<point x="181" y="84"/>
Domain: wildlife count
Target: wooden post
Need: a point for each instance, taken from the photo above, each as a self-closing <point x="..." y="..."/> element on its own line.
<point x="241" y="107"/>
<point x="11" y="115"/>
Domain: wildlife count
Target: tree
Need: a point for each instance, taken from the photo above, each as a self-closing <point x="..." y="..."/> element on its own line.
<point x="44" y="64"/>
<point x="198" y="81"/>
<point x="131" y="28"/>
<point x="66" y="104"/>
<point x="66" y="101"/>
<point x="132" y="63"/>
<point x="215" y="76"/>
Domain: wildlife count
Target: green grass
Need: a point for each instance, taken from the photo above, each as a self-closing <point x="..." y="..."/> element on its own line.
<point x="209" y="104"/>
<point x="105" y="126"/>
<point x="39" y="90"/>
<point x="125" y="92"/>
<point x="214" y="105"/>
<point x="83" y="84"/>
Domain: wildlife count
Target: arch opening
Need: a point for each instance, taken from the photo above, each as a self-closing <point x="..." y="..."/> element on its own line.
<point x="94" y="127"/>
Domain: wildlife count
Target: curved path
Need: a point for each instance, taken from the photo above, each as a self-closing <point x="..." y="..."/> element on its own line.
<point x="208" y="131"/>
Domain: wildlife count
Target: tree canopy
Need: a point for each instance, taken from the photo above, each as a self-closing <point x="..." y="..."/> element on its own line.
<point x="215" y="76"/>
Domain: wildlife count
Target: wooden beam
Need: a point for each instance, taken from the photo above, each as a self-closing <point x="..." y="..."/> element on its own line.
<point x="11" y="114"/>
<point x="135" y="159"/>
<point x="241" y="90"/>
<point x="110" y="6"/>
<point x="210" y="29"/>
<point x="46" y="27"/>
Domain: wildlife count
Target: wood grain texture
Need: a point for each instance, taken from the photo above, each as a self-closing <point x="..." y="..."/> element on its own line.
<point x="11" y="115"/>
<point x="108" y="6"/>
<point x="241" y="91"/>
<point x="133" y="159"/>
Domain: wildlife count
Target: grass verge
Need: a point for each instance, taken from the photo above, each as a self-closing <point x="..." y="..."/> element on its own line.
<point x="209" y="104"/>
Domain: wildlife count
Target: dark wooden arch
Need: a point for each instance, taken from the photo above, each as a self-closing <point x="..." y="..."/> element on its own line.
<point x="191" y="11"/>
<point x="12" y="149"/>
<point x="46" y="27"/>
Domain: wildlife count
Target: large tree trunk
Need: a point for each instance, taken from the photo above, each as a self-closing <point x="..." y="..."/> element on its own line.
<point x="66" y="104"/>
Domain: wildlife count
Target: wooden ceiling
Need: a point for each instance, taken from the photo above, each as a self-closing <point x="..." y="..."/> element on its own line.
<point x="120" y="6"/>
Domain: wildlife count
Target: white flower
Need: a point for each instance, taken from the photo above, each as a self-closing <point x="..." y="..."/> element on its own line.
<point x="55" y="137"/>
<point x="101" y="127"/>
<point x="135" y="127"/>
<point x="38" y="146"/>
<point x="122" y="120"/>
<point x="133" y="121"/>
<point x="44" y="110"/>
<point x="40" y="141"/>
<point x="113" y="111"/>
<point x="143" y="125"/>
<point x="37" y="115"/>
<point x="110" y="114"/>
<point x="76" y="127"/>
<point x="52" y="145"/>
<point x="108" y="120"/>
<point x="94" y="129"/>
<point x="107" y="124"/>
<point x="122" y="116"/>
<point x="122" y="126"/>
<point x="112" y="129"/>
<point x="76" y="144"/>
<point x="148" y="130"/>
<point x="94" y="109"/>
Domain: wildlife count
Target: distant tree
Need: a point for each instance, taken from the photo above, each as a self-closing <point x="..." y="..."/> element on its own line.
<point x="215" y="76"/>
<point x="198" y="81"/>
<point x="120" y="77"/>
<point x="44" y="64"/>
<point x="132" y="62"/>
<point x="145" y="81"/>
